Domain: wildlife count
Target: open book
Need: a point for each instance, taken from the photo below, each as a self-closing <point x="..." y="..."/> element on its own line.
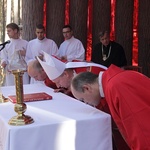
<point x="32" y="97"/>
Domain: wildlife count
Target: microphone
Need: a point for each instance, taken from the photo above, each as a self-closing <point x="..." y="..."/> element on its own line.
<point x="3" y="44"/>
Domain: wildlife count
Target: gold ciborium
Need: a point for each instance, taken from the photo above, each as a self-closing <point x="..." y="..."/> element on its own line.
<point x="17" y="67"/>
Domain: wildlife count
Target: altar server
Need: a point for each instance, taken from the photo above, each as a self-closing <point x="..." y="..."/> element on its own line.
<point x="7" y="54"/>
<point x="72" y="48"/>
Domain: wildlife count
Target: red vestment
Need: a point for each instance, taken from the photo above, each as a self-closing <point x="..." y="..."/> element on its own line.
<point x="50" y="83"/>
<point x="118" y="141"/>
<point x="128" y="97"/>
<point x="93" y="69"/>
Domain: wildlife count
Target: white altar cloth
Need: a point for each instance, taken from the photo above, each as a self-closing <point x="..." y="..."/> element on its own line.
<point x="62" y="123"/>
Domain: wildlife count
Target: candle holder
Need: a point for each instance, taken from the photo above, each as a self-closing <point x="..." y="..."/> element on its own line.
<point x="17" y="67"/>
<point x="2" y="75"/>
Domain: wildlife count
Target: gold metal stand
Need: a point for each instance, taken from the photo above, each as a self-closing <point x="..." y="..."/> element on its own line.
<point x="2" y="76"/>
<point x="1" y="98"/>
<point x="20" y="107"/>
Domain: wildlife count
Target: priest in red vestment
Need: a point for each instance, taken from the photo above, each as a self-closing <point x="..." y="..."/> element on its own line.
<point x="128" y="96"/>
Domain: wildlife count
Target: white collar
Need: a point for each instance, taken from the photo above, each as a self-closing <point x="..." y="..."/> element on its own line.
<point x="41" y="40"/>
<point x="100" y="84"/>
<point x="74" y="73"/>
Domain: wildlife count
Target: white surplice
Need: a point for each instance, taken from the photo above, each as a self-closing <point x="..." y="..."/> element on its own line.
<point x="73" y="49"/>
<point x="6" y="55"/>
<point x="36" y="46"/>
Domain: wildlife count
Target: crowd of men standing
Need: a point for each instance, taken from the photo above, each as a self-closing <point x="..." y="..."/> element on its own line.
<point x="70" y="49"/>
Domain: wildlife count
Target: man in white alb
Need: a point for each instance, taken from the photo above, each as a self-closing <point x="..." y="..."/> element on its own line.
<point x="71" y="48"/>
<point x="41" y="43"/>
<point x="16" y="44"/>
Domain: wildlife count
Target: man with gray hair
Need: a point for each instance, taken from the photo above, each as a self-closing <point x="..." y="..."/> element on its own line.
<point x="108" y="52"/>
<point x="128" y="97"/>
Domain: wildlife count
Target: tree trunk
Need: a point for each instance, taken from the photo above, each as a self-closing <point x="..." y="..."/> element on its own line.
<point x="101" y="18"/>
<point x="55" y="20"/>
<point x="78" y="19"/>
<point x="124" y="26"/>
<point x="144" y="36"/>
<point x="32" y="14"/>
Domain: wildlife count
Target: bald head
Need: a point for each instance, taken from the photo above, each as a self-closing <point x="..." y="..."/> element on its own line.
<point x="34" y="65"/>
<point x="36" y="71"/>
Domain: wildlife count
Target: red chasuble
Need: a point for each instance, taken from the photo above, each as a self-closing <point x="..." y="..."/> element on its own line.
<point x="118" y="141"/>
<point x="128" y="96"/>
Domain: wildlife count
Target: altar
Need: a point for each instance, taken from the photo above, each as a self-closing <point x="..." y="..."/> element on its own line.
<point x="62" y="123"/>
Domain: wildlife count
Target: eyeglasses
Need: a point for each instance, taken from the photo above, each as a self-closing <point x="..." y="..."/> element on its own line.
<point x="66" y="32"/>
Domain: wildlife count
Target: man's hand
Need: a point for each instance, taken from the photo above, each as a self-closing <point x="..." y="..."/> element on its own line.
<point x="41" y="56"/>
<point x="62" y="90"/>
<point x="64" y="58"/>
<point x="4" y="64"/>
<point x="22" y="52"/>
